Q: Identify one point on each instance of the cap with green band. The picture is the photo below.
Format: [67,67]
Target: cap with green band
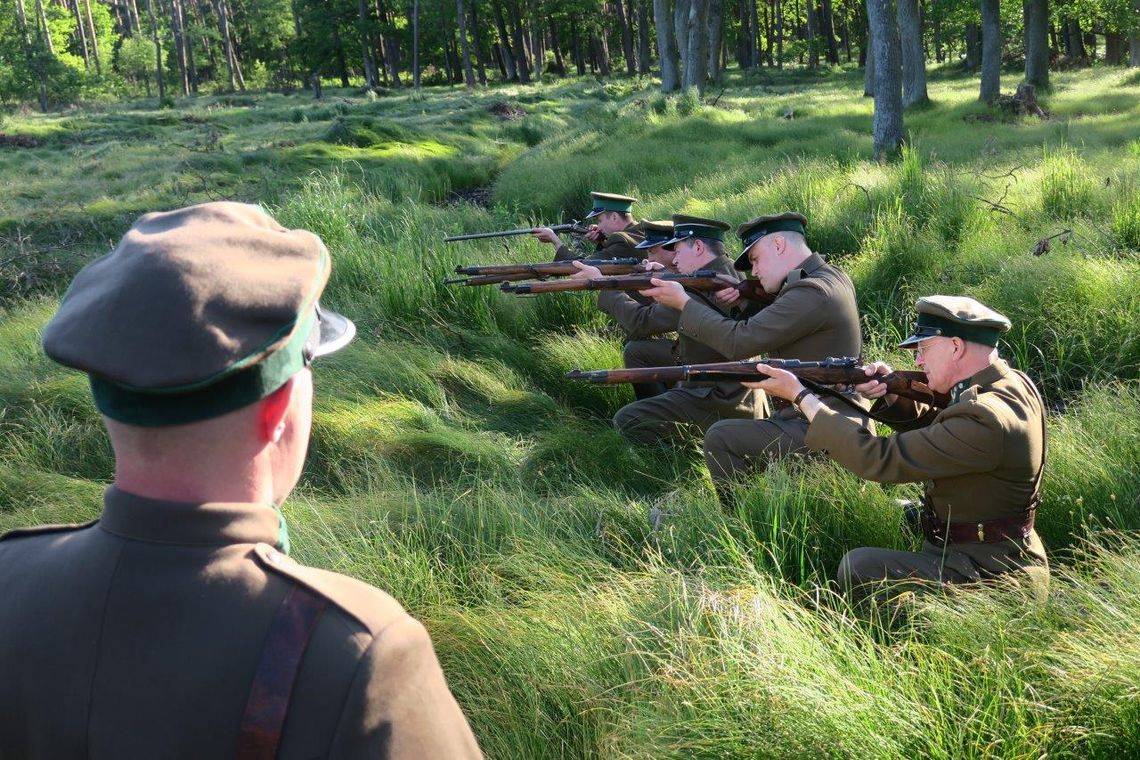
[956,317]
[761,226]
[602,202]
[197,312]
[687,227]
[656,233]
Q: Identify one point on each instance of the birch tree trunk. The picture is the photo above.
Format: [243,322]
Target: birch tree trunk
[887,130]
[991,52]
[81,35]
[94,38]
[666,45]
[913,61]
[695,69]
[179,46]
[42,28]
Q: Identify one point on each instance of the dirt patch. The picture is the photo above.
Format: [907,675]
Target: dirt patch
[18,141]
[507,111]
[476,196]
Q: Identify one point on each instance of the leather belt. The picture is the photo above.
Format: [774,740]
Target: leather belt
[939,532]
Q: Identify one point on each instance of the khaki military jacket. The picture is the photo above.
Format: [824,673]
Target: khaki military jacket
[813,317]
[646,320]
[618,245]
[979,457]
[139,636]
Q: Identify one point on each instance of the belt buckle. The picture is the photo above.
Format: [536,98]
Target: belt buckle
[981,533]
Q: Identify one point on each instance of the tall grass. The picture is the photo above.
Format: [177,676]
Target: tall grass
[454,466]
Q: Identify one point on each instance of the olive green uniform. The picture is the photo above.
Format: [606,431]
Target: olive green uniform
[139,636]
[980,459]
[813,317]
[617,245]
[695,404]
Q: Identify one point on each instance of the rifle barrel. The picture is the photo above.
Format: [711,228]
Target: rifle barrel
[574,228]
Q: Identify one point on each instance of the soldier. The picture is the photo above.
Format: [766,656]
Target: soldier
[615,233]
[697,243]
[981,459]
[175,625]
[813,317]
[651,352]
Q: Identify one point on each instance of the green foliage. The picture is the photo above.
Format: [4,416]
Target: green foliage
[454,466]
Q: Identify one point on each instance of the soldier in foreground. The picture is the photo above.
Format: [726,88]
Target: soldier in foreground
[176,625]
[615,232]
[981,458]
[651,351]
[697,244]
[813,317]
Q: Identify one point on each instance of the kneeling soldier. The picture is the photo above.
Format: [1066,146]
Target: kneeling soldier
[616,233]
[175,625]
[981,458]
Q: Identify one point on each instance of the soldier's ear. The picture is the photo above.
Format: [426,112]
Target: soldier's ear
[271,413]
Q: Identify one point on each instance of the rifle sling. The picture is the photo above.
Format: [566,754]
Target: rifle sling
[288,636]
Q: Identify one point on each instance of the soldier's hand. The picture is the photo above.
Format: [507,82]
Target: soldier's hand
[728,295]
[595,233]
[546,235]
[667,293]
[780,382]
[874,389]
[585,272]
[652,266]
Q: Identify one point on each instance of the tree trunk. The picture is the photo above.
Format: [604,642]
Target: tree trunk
[827,28]
[754,50]
[371,76]
[666,46]
[1036,15]
[468,71]
[991,52]
[1113,48]
[416,45]
[812,33]
[516,21]
[779,35]
[480,51]
[716,38]
[1134,40]
[681,29]
[695,68]
[576,42]
[1074,43]
[743,35]
[869,67]
[175,11]
[913,62]
[33,62]
[42,27]
[157,50]
[973,47]
[887,130]
[81,35]
[508,55]
[643,57]
[135,15]
[538,53]
[626,36]
[227,41]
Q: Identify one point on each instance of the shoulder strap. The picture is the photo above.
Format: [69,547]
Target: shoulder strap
[285,643]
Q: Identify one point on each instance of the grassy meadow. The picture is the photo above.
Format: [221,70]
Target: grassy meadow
[455,467]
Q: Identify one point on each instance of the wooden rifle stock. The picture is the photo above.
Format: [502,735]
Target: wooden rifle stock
[832,371]
[493,274]
[702,280]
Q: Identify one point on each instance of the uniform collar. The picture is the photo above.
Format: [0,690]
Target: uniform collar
[174,522]
[811,263]
[988,376]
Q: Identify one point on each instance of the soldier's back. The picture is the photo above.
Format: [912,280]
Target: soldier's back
[144,635]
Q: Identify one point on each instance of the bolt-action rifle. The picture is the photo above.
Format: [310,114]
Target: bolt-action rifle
[702,280]
[492,274]
[574,228]
[831,371]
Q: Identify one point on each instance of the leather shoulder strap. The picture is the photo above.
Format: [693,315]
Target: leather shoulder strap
[285,644]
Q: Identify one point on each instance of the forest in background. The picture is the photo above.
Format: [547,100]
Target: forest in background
[453,465]
[57,52]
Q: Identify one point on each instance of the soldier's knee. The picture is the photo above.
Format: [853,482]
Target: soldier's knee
[632,425]
[716,448]
[858,567]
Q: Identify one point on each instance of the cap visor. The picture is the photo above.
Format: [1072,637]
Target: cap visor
[913,341]
[742,264]
[336,332]
[668,244]
[593,213]
[648,244]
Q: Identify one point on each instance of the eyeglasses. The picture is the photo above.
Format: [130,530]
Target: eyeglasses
[921,348]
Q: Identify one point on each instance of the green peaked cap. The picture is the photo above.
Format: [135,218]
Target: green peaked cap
[956,317]
[602,202]
[687,227]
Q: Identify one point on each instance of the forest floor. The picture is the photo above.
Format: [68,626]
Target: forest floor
[453,465]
